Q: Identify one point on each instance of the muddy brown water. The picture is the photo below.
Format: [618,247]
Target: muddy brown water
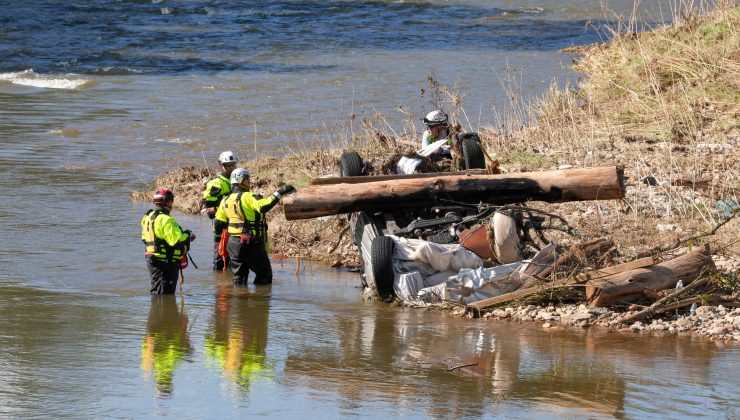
[86,121]
[308,347]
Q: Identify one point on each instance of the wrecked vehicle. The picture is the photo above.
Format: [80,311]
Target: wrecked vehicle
[486,233]
[439,224]
[466,148]
[449,221]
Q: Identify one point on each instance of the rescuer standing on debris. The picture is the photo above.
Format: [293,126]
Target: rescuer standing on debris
[166,244]
[216,190]
[243,215]
[437,128]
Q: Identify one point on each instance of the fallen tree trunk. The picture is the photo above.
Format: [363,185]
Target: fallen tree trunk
[332,180]
[615,288]
[602,183]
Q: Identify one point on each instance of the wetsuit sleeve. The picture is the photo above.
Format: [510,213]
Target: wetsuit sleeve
[261,205]
[221,221]
[212,192]
[221,213]
[173,234]
[143,226]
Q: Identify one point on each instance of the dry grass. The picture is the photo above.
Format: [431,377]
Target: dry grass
[665,104]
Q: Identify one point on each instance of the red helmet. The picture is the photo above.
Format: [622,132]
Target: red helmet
[163,196]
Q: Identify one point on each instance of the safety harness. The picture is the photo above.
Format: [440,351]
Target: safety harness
[247,227]
[154,244]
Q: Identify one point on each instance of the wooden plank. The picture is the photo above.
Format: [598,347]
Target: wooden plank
[603,272]
[517,294]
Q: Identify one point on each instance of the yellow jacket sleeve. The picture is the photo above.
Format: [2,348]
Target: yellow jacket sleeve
[221,213]
[262,205]
[171,232]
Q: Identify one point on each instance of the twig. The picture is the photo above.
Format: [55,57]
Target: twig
[656,307]
[339,239]
[660,249]
[461,366]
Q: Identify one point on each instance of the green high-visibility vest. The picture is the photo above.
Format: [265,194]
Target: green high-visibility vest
[163,237]
[216,189]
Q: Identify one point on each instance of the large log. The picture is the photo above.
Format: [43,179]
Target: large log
[618,287]
[374,178]
[601,183]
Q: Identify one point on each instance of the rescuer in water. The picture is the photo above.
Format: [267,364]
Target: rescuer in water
[217,189]
[242,215]
[166,244]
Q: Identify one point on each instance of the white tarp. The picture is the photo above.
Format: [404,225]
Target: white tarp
[429,150]
[427,272]
[408,165]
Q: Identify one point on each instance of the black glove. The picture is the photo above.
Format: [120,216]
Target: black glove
[211,212]
[219,226]
[286,189]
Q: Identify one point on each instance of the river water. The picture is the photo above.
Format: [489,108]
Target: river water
[98,97]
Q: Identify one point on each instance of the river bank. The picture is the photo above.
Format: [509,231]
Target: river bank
[663,104]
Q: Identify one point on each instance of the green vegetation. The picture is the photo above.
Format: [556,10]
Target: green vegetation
[523,159]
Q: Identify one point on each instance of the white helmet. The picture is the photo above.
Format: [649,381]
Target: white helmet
[227,157]
[238,175]
[436,117]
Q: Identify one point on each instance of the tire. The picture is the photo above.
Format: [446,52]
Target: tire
[361,219]
[472,153]
[358,221]
[381,254]
[350,164]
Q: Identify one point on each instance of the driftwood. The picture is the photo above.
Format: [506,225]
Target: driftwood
[615,269]
[725,300]
[660,305]
[601,183]
[627,285]
[522,293]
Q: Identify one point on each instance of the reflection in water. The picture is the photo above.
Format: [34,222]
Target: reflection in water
[237,341]
[167,342]
[63,356]
[454,368]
